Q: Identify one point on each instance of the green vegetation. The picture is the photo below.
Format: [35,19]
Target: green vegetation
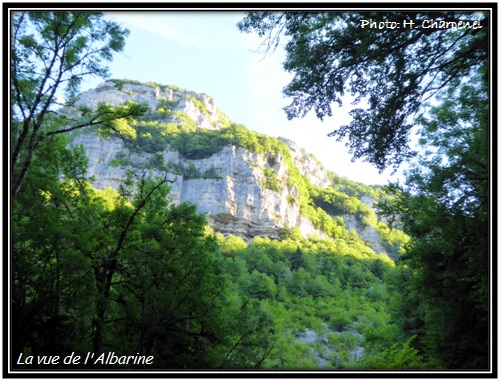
[270,180]
[448,222]
[199,105]
[211,173]
[245,304]
[114,163]
[223,118]
[125,271]
[71,46]
[433,82]
[166,106]
[103,257]
[120,82]
[337,203]
[318,285]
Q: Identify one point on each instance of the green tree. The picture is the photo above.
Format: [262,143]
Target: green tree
[51,53]
[107,251]
[297,259]
[402,357]
[443,207]
[331,53]
[261,286]
[93,271]
[250,334]
[84,226]
[167,295]
[51,285]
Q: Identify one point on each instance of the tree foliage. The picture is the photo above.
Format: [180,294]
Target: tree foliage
[96,270]
[51,53]
[393,71]
[444,207]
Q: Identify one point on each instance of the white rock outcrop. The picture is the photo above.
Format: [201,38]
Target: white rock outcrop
[109,93]
[235,203]
[307,166]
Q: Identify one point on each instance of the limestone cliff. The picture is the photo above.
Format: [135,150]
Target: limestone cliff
[235,203]
[229,185]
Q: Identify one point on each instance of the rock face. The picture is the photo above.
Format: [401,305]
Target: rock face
[235,201]
[307,166]
[366,232]
[153,95]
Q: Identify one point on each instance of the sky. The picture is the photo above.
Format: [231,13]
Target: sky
[204,51]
